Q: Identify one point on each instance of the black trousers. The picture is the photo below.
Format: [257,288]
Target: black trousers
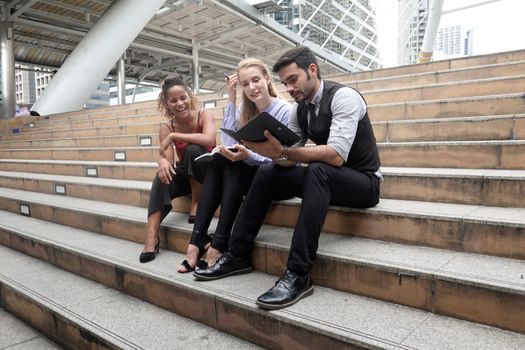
[319,185]
[226,183]
[162,194]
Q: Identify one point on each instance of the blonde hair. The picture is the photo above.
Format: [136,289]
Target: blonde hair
[168,83]
[249,109]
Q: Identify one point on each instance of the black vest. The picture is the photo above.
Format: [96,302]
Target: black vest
[363,156]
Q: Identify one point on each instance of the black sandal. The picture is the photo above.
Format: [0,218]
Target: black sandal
[201,263]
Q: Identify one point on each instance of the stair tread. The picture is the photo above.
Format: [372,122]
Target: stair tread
[353,318]
[449,211]
[490,271]
[127,322]
[14,334]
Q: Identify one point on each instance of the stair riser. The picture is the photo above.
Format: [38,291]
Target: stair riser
[425,292]
[142,173]
[440,65]
[436,78]
[473,191]
[486,107]
[244,322]
[472,130]
[482,156]
[496,87]
[109,141]
[146,154]
[63,331]
[453,234]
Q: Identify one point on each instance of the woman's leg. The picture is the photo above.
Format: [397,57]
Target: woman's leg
[208,203]
[196,189]
[236,182]
[159,205]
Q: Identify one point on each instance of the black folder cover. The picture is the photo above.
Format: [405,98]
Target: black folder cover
[253,131]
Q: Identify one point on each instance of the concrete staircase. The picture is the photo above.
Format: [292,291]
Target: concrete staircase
[438,264]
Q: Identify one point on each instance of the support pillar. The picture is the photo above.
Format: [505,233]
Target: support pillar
[434,16]
[7,70]
[195,67]
[95,55]
[121,80]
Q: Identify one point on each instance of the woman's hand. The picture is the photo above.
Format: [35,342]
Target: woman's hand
[165,170]
[239,155]
[233,82]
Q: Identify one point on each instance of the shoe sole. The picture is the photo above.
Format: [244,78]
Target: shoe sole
[303,295]
[232,273]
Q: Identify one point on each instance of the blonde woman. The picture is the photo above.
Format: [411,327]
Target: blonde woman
[228,178]
[192,133]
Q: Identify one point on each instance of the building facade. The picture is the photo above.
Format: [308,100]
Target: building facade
[344,27]
[413,17]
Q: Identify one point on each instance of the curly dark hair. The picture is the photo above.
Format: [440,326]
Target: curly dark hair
[301,55]
[168,83]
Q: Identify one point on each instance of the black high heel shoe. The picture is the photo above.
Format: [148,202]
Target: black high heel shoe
[148,256]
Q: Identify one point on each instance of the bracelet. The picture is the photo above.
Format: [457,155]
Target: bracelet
[284,153]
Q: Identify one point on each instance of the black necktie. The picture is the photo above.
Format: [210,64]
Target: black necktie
[313,116]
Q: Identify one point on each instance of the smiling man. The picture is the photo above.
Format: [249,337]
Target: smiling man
[342,168]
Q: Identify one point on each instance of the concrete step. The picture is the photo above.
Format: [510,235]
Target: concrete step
[37,134]
[451,64]
[444,154]
[454,154]
[462,186]
[498,127]
[450,107]
[125,140]
[435,77]
[142,171]
[14,334]
[135,154]
[467,228]
[82,314]
[423,278]
[466,88]
[504,188]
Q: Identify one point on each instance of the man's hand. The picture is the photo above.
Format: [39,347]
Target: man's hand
[241,154]
[271,148]
[165,170]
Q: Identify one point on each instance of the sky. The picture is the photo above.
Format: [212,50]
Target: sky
[498,26]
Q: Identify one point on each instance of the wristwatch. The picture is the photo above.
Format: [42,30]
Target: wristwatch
[284,154]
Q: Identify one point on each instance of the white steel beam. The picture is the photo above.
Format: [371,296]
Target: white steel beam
[79,77]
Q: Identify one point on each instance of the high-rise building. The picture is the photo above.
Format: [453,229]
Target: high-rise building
[453,41]
[413,17]
[344,27]
[31,81]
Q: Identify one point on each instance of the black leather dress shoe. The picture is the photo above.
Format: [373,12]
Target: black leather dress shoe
[288,290]
[227,265]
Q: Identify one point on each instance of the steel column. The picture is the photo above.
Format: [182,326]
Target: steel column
[7,70]
[121,80]
[434,16]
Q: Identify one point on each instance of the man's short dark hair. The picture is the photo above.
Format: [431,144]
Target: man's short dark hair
[301,55]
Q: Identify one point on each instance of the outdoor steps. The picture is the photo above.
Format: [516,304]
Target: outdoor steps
[469,106]
[434,77]
[423,278]
[461,227]
[14,334]
[442,65]
[465,88]
[503,127]
[81,314]
[462,186]
[502,154]
[142,171]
